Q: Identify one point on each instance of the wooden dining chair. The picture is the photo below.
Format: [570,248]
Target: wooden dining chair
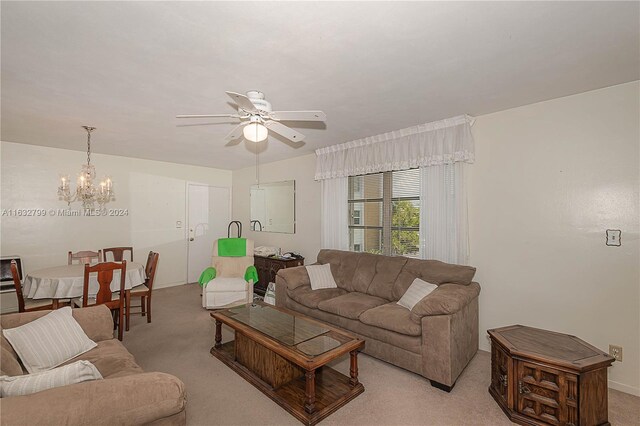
[85,257]
[143,291]
[29,305]
[118,253]
[113,300]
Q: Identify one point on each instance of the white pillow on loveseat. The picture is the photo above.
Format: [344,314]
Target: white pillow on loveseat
[79,371]
[418,290]
[49,341]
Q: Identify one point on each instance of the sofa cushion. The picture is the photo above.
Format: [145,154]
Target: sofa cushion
[48,341]
[392,317]
[9,363]
[417,291]
[343,266]
[364,273]
[321,277]
[350,305]
[310,298]
[111,359]
[409,343]
[432,271]
[447,299]
[76,372]
[387,269]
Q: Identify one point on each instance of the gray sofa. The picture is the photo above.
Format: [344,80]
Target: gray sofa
[436,339]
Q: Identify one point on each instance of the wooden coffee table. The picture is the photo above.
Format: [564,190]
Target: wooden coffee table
[284,354]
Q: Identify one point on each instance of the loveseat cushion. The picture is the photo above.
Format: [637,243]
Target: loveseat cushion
[111,359]
[310,298]
[351,305]
[392,317]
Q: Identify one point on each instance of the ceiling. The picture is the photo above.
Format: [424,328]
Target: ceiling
[128,68]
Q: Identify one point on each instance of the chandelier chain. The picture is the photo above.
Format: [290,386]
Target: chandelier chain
[88,146]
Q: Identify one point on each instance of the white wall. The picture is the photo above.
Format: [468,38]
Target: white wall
[306,239]
[152,191]
[549,178]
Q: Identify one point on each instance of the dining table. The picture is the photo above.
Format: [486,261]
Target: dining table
[67,282]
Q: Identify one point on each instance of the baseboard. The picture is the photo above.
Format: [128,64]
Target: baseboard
[624,388]
[167,285]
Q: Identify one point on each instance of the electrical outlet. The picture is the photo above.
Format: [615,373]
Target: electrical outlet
[616,352]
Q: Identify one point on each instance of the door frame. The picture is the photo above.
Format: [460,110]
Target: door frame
[186,216]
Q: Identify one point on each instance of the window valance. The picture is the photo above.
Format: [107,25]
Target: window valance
[440,142]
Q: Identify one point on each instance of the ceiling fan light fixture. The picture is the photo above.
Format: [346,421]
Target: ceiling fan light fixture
[255,132]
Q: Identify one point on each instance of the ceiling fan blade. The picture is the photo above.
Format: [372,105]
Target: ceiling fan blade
[236,132]
[208,115]
[242,101]
[285,131]
[298,115]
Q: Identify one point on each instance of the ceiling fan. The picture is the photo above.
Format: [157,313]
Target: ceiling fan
[257,118]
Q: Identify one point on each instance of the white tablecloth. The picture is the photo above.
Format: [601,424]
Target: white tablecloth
[65,282]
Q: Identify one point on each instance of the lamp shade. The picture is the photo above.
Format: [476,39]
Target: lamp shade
[255,132]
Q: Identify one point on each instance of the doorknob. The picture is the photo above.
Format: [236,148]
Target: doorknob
[191,234]
[191,239]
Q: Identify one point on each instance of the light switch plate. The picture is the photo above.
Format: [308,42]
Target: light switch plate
[613,237]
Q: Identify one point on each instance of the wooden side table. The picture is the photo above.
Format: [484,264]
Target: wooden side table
[540,377]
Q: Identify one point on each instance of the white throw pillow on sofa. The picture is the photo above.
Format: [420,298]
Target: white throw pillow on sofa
[417,291]
[321,276]
[49,341]
[79,371]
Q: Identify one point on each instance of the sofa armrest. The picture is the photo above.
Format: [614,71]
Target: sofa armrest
[294,277]
[134,399]
[447,299]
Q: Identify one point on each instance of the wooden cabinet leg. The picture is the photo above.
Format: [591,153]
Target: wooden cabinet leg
[218,344]
[354,368]
[310,392]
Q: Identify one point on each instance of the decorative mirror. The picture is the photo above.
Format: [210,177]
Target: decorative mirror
[273,207]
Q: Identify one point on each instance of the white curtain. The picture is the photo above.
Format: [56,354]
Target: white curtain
[443,214]
[431,144]
[335,214]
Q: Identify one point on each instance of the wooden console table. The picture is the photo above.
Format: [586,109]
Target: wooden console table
[540,377]
[268,268]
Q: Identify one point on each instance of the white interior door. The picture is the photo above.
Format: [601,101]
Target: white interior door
[208,215]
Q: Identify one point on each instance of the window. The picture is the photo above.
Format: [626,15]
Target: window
[356,217]
[384,213]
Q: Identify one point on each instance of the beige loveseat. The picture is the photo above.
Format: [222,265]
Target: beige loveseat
[126,395]
[436,339]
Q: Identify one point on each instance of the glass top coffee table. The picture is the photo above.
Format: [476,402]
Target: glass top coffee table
[284,354]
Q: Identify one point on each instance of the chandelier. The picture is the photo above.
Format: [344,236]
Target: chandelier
[86,191]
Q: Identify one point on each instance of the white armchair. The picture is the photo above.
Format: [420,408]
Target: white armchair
[230,287]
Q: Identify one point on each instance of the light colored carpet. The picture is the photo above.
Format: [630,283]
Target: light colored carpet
[180,337]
